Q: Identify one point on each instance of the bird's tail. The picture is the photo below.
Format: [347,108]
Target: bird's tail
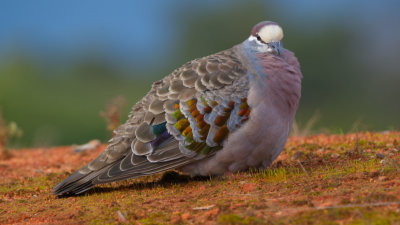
[78,182]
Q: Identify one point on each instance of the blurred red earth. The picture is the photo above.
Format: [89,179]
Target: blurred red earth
[338,178]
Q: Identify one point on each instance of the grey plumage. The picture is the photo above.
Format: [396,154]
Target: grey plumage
[225,112]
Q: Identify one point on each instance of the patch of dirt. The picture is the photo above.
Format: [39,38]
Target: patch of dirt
[336,178]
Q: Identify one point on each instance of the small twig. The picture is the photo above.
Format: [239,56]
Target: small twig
[308,175]
[207,207]
[374,204]
[356,146]
[121,216]
[112,113]
[299,131]
[302,167]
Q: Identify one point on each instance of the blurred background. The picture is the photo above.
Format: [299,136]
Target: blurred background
[63,62]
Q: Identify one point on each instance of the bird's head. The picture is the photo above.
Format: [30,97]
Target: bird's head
[266,36]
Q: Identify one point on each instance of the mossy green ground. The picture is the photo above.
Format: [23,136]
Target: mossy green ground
[321,179]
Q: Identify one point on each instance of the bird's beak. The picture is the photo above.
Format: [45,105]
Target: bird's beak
[274,47]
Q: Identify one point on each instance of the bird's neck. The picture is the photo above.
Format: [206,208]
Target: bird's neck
[277,78]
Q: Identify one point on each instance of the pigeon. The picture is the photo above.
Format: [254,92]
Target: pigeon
[219,114]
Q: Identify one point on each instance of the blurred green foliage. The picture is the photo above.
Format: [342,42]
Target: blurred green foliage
[62,108]
[60,104]
[9,131]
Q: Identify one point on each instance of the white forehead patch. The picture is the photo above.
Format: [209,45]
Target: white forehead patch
[271,33]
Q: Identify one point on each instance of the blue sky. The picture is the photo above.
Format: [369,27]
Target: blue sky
[133,27]
[141,34]
[69,25]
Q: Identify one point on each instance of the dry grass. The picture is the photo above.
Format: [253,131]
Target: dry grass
[333,181]
[300,131]
[8,132]
[112,113]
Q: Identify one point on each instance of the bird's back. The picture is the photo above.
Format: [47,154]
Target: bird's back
[225,112]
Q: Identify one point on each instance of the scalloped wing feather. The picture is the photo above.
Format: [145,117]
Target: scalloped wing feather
[185,117]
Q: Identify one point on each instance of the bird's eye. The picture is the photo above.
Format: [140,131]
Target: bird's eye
[259,39]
